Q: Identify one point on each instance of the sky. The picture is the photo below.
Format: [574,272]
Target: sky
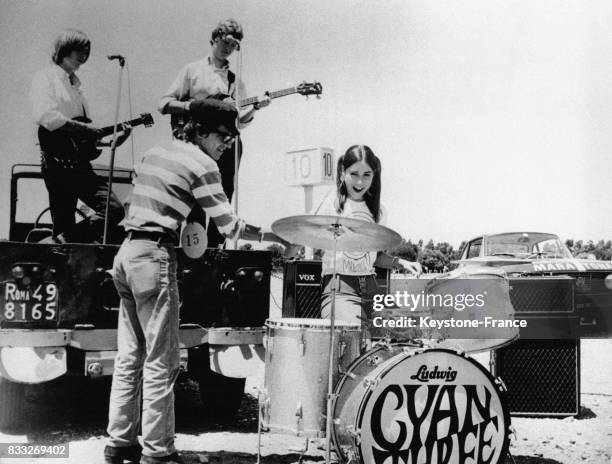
[488,115]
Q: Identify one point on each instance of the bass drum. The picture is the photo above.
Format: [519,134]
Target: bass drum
[432,406]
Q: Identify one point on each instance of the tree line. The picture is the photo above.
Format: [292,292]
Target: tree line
[437,257]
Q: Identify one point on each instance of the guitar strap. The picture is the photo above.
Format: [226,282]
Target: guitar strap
[231,78]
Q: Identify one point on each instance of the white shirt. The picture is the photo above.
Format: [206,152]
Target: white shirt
[350,263]
[199,80]
[55,99]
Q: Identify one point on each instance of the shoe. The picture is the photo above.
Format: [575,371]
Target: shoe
[119,454]
[59,239]
[112,460]
[173,458]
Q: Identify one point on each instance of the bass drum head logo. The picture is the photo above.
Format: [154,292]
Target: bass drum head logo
[435,407]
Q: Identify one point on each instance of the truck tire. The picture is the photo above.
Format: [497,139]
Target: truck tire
[11,402]
[221,396]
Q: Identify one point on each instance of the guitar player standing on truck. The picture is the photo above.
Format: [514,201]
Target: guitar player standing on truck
[57,100]
[211,77]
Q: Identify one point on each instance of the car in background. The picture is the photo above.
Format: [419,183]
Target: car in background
[531,254]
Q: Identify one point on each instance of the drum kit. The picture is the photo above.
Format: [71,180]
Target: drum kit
[396,403]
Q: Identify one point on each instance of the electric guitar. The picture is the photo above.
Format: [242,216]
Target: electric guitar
[177,121]
[74,148]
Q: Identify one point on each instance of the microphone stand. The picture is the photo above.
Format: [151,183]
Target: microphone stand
[113,148]
[237,142]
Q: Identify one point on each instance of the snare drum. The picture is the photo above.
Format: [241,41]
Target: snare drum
[432,406]
[296,378]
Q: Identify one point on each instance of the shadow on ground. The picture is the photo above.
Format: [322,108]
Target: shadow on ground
[585,413]
[242,458]
[530,460]
[75,408]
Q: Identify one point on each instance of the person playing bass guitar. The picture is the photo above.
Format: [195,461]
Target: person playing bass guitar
[206,78]
[68,141]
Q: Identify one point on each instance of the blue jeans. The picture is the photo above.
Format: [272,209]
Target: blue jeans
[147,362]
[354,297]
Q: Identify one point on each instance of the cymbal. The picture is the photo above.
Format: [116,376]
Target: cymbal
[349,234]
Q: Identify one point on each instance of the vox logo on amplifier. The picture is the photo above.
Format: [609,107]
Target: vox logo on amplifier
[309,278]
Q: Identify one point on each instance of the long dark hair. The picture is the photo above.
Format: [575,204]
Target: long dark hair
[353,155]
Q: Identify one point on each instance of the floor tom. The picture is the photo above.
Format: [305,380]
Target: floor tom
[296,377]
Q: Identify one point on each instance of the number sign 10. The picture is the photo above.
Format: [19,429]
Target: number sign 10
[313,166]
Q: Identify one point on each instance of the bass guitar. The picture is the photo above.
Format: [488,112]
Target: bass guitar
[177,121]
[305,88]
[71,147]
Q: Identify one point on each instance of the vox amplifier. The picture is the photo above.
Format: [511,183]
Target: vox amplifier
[302,288]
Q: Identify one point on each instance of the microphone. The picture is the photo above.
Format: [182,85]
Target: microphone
[116,57]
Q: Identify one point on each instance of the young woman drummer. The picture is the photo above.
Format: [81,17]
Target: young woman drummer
[358,183]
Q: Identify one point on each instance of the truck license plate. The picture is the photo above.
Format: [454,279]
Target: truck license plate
[29,303]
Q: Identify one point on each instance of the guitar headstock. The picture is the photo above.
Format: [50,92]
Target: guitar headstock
[310,88]
[147,119]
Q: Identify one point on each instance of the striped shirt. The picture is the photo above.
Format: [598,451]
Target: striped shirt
[170,182]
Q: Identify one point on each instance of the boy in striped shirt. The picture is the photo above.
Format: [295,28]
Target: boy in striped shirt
[170,182]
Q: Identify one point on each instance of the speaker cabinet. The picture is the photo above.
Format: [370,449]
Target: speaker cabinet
[542,295]
[542,376]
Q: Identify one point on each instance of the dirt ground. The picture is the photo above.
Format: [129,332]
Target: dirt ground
[73,411]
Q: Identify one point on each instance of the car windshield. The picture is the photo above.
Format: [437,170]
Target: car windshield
[523,245]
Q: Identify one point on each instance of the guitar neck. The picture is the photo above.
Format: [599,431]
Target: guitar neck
[272,95]
[108,130]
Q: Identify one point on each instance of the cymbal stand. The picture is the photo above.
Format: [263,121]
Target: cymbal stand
[332,329]
[260,412]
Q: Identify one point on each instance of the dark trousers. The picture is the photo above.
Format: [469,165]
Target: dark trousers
[66,185]
[354,297]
